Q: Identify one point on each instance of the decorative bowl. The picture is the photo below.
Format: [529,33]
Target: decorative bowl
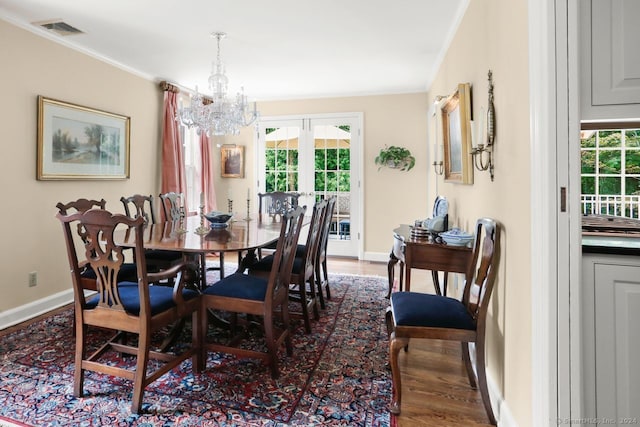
[218,219]
[456,237]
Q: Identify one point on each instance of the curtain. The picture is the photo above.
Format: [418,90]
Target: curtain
[206,177]
[173,174]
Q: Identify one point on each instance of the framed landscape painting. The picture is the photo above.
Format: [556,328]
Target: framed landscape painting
[456,131]
[76,142]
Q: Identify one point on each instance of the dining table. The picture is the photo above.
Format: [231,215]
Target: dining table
[193,236]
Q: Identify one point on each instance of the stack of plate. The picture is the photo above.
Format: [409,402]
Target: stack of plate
[419,233]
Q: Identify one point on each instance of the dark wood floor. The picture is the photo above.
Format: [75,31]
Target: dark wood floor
[435,388]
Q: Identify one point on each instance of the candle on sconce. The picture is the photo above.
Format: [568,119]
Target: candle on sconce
[441,154]
[474,130]
[248,193]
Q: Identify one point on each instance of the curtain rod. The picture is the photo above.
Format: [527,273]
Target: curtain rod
[172,87]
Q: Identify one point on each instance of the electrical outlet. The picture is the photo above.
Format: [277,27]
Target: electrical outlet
[33,279]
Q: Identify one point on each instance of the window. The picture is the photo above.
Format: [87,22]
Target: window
[610,169]
[192,163]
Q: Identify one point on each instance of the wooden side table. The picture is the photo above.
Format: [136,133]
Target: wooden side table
[425,255]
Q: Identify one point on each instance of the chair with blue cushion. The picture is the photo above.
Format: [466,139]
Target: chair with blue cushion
[321,270]
[303,284]
[418,315]
[143,206]
[134,307]
[257,296]
[127,271]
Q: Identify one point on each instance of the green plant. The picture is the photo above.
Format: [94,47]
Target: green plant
[395,158]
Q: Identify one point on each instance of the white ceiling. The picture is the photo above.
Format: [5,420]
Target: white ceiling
[276,49]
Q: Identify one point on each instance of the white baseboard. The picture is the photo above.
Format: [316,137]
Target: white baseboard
[35,308]
[500,408]
[376,256]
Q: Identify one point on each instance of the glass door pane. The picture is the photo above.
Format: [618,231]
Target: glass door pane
[315,157]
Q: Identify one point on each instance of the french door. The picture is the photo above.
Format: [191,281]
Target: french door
[318,156]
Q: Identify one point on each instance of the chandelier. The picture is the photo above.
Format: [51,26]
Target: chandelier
[215,114]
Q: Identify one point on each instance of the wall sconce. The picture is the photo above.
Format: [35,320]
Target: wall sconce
[483,154]
[438,164]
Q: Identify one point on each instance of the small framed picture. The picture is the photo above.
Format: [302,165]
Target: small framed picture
[76,142]
[456,113]
[232,161]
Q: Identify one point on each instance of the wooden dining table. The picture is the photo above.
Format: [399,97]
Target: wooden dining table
[241,236]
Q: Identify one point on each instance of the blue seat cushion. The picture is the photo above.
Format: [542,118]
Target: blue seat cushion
[162,255]
[238,285]
[128,273]
[429,310]
[160,298]
[266,263]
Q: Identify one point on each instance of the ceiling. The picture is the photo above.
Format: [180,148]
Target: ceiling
[277,49]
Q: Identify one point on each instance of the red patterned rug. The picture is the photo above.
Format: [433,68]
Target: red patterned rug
[336,375]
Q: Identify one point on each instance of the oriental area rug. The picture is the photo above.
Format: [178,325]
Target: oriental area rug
[335,377]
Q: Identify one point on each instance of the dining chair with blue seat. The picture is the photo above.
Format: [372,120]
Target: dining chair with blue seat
[303,284]
[139,205]
[128,271]
[429,316]
[241,293]
[126,306]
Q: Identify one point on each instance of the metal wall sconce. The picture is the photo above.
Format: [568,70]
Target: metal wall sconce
[438,167]
[483,153]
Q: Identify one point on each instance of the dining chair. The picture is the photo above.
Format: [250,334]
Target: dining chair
[139,205]
[128,271]
[276,203]
[172,205]
[242,293]
[420,315]
[126,306]
[302,286]
[320,264]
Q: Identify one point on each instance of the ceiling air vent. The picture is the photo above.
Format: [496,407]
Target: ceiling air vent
[59,27]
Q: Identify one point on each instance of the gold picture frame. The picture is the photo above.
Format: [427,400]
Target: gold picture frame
[456,134]
[232,161]
[81,143]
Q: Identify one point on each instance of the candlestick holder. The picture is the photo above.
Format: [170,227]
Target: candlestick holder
[230,205]
[202,230]
[248,218]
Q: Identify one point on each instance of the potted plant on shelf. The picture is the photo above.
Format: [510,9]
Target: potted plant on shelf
[395,158]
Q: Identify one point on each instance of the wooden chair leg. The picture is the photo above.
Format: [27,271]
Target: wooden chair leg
[272,345]
[482,381]
[302,289]
[467,363]
[318,279]
[395,344]
[196,341]
[78,375]
[314,298]
[326,279]
[141,372]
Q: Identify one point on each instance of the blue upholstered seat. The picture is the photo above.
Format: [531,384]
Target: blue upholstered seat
[266,263]
[418,309]
[241,286]
[160,298]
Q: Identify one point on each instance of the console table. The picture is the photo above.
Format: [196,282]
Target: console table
[425,255]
